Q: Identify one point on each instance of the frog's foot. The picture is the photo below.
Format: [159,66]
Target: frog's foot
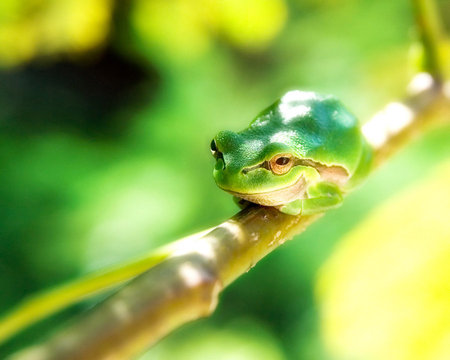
[241,202]
[321,197]
[292,208]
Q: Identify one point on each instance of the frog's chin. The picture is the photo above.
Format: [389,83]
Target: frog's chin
[276,197]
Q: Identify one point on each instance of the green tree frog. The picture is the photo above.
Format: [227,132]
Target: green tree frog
[300,155]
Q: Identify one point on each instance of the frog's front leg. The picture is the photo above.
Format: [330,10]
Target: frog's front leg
[321,197]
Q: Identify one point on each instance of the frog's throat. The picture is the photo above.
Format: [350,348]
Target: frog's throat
[276,197]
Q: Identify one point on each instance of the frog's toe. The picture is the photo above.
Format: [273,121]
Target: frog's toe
[241,202]
[292,208]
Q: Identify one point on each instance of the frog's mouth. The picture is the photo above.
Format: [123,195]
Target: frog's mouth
[276,197]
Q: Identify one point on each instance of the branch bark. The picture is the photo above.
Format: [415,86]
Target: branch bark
[186,285]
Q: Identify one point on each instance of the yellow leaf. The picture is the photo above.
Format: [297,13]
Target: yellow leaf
[385,292]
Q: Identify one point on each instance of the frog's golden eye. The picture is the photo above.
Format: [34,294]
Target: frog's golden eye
[280,164]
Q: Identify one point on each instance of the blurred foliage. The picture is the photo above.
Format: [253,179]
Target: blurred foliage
[181,30]
[238,340]
[107,112]
[385,292]
[31,28]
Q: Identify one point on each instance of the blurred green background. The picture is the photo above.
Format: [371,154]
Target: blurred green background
[107,109]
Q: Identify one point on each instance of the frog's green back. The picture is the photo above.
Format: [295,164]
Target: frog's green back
[314,126]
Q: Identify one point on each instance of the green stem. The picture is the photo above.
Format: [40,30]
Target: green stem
[49,302]
[429,29]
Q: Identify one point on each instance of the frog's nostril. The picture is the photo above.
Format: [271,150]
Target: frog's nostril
[215,151]
[213,146]
[218,155]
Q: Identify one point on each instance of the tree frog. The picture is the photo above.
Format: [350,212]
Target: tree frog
[300,155]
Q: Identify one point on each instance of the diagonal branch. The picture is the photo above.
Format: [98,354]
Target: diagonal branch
[186,285]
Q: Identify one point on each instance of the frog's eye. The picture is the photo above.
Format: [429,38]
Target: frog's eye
[280,164]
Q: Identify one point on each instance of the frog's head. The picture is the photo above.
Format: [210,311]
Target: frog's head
[267,175]
[277,157]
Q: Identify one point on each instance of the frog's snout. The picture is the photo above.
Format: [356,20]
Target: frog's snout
[224,143]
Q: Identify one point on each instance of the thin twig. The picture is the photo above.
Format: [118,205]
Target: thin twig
[429,31]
